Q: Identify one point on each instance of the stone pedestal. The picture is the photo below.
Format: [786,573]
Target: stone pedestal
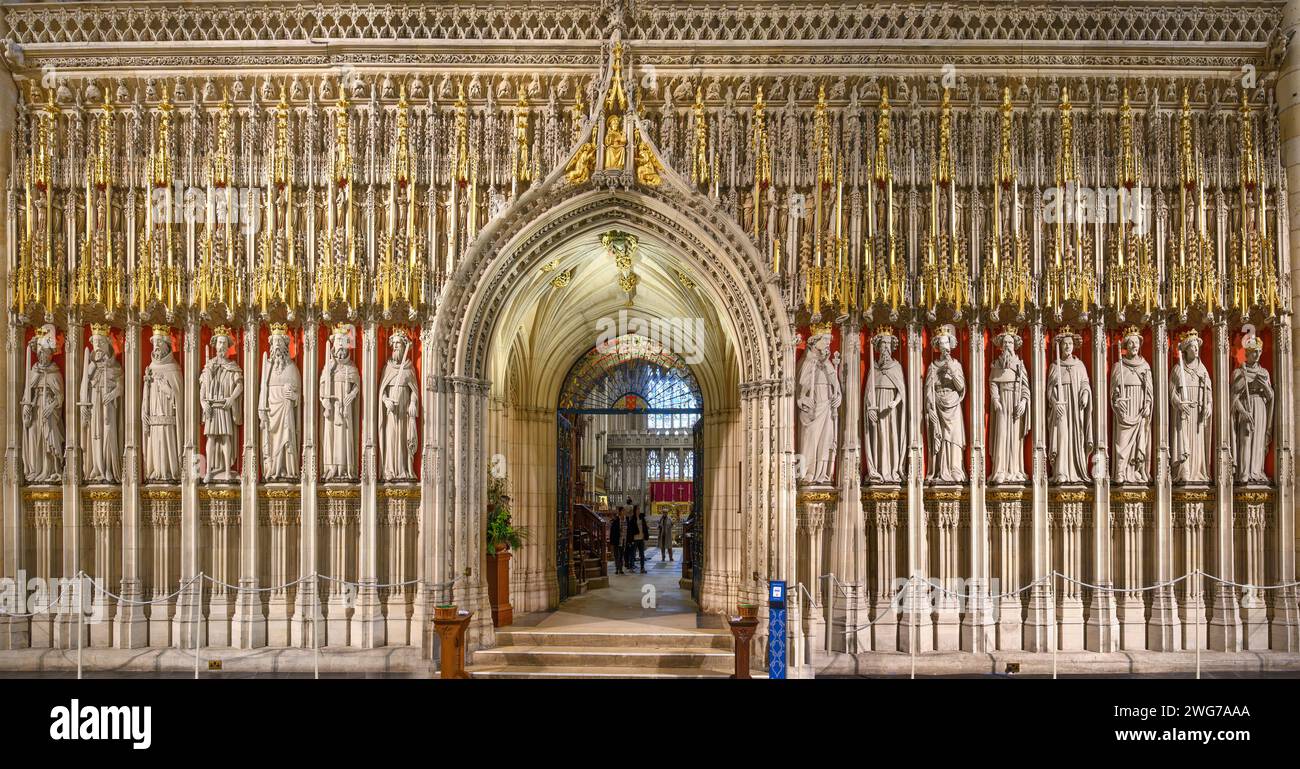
[815,502]
[882,508]
[1191,522]
[1131,512]
[944,509]
[1067,513]
[1006,507]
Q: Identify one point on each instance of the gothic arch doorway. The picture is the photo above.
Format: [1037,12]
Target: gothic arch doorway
[530,299]
[646,409]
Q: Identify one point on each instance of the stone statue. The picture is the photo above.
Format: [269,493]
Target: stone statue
[885,413]
[340,385]
[1009,401]
[945,389]
[1192,402]
[1131,400]
[162,403]
[221,393]
[819,406]
[399,409]
[1069,413]
[100,400]
[42,403]
[1252,413]
[277,409]
[615,144]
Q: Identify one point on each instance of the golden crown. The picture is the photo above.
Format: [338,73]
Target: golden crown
[44,336]
[223,331]
[161,331]
[1132,331]
[884,331]
[1188,335]
[399,333]
[1069,331]
[1011,331]
[947,330]
[100,329]
[279,329]
[820,329]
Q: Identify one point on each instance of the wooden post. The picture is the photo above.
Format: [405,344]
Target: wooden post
[742,630]
[450,626]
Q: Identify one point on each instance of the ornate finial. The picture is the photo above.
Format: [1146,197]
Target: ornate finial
[946,164]
[1065,169]
[1006,172]
[1249,168]
[882,173]
[1130,168]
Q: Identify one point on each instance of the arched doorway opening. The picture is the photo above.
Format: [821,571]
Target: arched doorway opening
[630,435]
[535,295]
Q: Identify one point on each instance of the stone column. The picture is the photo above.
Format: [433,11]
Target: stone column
[66,623]
[1252,517]
[308,613]
[189,631]
[368,626]
[1101,633]
[470,503]
[14,631]
[977,629]
[1285,628]
[248,628]
[130,626]
[1225,618]
[914,628]
[1039,633]
[848,541]
[1008,507]
[1164,628]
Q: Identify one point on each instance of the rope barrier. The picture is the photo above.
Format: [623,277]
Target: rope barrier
[97,588]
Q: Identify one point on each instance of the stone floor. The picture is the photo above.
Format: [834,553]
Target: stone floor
[633,603]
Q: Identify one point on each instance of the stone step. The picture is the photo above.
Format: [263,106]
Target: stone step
[551,672]
[671,659]
[526,637]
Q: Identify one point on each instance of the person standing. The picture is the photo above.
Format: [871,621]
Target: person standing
[616,539]
[639,530]
[666,536]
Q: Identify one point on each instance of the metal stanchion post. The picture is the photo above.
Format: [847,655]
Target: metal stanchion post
[199,612]
[911,619]
[1200,615]
[1055,640]
[315,624]
[80,620]
[830,611]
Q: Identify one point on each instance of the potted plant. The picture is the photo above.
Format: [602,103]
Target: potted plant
[502,537]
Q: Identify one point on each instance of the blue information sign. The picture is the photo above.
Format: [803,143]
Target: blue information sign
[776,635]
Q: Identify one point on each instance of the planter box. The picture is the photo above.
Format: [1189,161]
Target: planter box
[498,585]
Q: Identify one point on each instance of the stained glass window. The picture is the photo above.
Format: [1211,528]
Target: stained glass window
[670,467]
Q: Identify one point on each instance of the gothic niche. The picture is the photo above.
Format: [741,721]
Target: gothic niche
[42,410]
[399,410]
[221,408]
[819,399]
[278,409]
[100,401]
